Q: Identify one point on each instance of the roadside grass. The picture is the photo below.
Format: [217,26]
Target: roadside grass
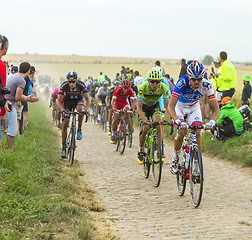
[41,197]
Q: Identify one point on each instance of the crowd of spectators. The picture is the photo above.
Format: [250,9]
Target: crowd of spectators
[16,87]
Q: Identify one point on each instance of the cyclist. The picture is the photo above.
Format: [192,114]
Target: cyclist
[53,99]
[120,101]
[93,91]
[185,101]
[108,102]
[148,106]
[73,91]
[100,98]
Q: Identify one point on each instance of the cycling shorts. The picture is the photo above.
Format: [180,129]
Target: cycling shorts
[121,105]
[194,116]
[71,105]
[102,99]
[151,111]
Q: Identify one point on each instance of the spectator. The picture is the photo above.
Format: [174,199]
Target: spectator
[228,77]
[138,79]
[216,74]
[123,71]
[108,80]
[4,45]
[171,85]
[230,121]
[16,84]
[14,69]
[116,78]
[183,70]
[101,78]
[157,63]
[246,92]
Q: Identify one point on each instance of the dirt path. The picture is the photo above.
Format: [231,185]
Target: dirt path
[138,210]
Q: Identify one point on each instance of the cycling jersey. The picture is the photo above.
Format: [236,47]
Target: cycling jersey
[149,97]
[73,93]
[122,97]
[92,92]
[102,92]
[189,96]
[54,96]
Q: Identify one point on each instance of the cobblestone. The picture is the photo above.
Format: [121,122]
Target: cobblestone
[145,212]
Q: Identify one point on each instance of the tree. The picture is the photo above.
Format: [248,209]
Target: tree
[207,60]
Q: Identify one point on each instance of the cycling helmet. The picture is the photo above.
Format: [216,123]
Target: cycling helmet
[72,75]
[154,75]
[126,83]
[117,83]
[196,70]
[56,89]
[96,84]
[129,76]
[157,68]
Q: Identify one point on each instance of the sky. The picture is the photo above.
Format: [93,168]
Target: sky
[170,29]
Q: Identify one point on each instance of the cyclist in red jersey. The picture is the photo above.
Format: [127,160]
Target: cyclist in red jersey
[120,101]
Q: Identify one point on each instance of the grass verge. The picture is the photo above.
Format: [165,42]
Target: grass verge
[41,197]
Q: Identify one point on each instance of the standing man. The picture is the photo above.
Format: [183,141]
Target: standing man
[16,85]
[158,64]
[138,79]
[101,78]
[246,92]
[183,68]
[4,45]
[228,77]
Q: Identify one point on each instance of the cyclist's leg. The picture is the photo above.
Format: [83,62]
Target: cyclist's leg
[80,109]
[65,124]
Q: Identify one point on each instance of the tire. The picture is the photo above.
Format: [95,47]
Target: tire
[122,136]
[146,164]
[71,147]
[156,161]
[196,182]
[181,181]
[130,134]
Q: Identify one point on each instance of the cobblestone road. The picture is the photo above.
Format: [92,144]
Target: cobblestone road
[136,209]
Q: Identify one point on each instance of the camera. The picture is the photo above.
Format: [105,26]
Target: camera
[4,91]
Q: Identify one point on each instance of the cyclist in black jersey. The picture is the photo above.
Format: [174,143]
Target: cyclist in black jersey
[73,91]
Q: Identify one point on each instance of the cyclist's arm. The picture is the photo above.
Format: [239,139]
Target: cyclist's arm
[215,108]
[107,101]
[113,102]
[132,103]
[86,96]
[58,102]
[166,117]
[171,107]
[140,111]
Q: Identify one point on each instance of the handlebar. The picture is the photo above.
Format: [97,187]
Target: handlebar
[154,124]
[75,112]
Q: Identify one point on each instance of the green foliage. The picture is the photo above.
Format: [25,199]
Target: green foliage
[35,192]
[207,60]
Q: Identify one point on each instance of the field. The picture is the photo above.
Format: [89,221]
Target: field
[59,66]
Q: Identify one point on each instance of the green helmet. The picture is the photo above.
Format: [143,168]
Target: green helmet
[96,84]
[154,75]
[105,83]
[117,83]
[246,77]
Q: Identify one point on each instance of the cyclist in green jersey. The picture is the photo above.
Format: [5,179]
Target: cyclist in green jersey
[108,102]
[92,92]
[148,107]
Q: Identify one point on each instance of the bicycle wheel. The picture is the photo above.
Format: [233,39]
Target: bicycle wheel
[156,161]
[196,176]
[181,181]
[130,139]
[71,148]
[122,136]
[146,165]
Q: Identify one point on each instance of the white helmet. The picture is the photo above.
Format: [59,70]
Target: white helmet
[159,69]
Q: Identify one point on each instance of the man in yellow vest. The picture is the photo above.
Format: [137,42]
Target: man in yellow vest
[228,77]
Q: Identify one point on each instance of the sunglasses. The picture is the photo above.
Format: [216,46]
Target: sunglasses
[72,81]
[194,79]
[155,81]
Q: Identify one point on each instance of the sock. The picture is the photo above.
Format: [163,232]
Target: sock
[176,154]
[113,133]
[63,146]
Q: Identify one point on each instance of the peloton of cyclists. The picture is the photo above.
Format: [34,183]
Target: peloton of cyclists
[185,101]
[73,91]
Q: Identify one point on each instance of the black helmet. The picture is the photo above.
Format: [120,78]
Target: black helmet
[72,75]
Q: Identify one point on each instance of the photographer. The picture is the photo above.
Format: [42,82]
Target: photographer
[16,85]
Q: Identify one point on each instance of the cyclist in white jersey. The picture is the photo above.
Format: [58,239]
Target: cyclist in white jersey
[185,101]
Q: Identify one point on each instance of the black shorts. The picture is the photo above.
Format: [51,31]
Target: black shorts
[151,111]
[72,104]
[25,106]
